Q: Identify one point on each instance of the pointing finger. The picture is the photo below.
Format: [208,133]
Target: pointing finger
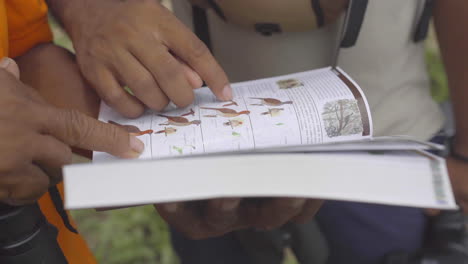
[81,131]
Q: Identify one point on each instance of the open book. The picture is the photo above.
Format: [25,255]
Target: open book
[301,135]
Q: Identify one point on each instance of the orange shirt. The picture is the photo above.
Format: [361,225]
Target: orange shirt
[23,25]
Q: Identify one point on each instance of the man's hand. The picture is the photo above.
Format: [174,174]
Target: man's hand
[36,137]
[451,26]
[141,44]
[458,171]
[205,219]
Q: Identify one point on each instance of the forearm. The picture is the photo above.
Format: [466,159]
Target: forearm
[53,72]
[451,23]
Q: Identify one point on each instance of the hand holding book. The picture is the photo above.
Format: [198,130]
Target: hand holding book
[202,219]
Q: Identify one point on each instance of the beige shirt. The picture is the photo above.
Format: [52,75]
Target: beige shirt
[389,67]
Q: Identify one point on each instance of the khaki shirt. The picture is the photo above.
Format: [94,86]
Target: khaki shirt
[389,67]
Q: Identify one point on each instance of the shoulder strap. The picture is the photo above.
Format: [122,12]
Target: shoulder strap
[422,27]
[354,19]
[200,25]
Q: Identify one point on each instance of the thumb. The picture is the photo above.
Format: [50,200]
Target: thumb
[79,130]
[10,66]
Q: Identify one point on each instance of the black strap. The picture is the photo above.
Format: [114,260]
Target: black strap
[58,203]
[318,13]
[355,18]
[424,21]
[200,25]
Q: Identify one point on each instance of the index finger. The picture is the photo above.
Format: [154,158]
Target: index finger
[79,130]
[188,47]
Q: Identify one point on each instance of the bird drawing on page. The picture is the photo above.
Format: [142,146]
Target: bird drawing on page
[234,123]
[225,112]
[133,130]
[231,104]
[191,112]
[180,120]
[274,112]
[270,102]
[167,131]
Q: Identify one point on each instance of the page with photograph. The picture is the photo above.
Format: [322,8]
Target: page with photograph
[314,107]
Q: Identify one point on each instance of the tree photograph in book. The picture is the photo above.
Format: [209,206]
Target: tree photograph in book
[342,118]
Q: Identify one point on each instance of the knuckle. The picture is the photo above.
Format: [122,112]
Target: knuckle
[159,106]
[114,133]
[98,46]
[124,27]
[198,49]
[186,100]
[76,128]
[114,96]
[11,163]
[144,81]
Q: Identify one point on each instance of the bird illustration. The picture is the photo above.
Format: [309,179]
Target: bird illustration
[231,104]
[167,131]
[133,130]
[178,121]
[270,101]
[192,113]
[234,123]
[227,112]
[274,112]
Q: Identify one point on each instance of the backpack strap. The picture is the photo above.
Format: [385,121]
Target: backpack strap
[200,25]
[422,27]
[353,22]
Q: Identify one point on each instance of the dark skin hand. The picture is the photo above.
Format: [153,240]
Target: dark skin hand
[199,220]
[35,138]
[59,81]
[451,24]
[141,44]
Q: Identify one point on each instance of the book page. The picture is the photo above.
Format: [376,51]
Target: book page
[395,178]
[314,107]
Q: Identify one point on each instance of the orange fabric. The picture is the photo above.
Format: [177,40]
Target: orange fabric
[3,30]
[27,25]
[73,245]
[23,24]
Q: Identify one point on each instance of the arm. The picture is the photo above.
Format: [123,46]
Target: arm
[35,138]
[141,44]
[53,72]
[451,23]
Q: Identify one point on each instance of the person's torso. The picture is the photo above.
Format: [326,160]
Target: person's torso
[385,62]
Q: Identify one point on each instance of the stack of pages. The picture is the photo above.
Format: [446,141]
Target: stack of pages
[301,135]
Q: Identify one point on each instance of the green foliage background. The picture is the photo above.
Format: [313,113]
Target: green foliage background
[138,235]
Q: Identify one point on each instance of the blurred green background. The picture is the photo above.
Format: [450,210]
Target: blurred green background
[139,236]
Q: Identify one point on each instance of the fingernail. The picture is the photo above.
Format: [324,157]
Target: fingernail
[5,62]
[170,207]
[137,145]
[229,204]
[227,93]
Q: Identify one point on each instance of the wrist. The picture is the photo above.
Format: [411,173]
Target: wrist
[72,14]
[458,148]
